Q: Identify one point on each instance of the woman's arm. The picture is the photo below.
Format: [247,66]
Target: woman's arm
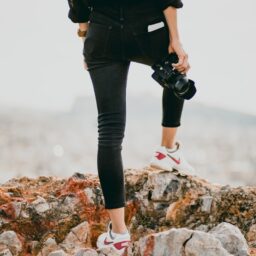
[166,3]
[79,11]
[170,13]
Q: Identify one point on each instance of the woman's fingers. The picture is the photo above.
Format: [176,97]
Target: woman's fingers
[185,70]
[180,62]
[182,65]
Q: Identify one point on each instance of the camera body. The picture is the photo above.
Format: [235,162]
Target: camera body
[168,77]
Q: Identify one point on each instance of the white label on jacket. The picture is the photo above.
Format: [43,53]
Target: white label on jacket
[155,26]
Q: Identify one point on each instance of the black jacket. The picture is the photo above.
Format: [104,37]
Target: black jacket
[79,10]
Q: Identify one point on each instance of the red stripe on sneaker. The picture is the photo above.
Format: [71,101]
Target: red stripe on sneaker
[177,161]
[121,245]
[160,155]
[106,242]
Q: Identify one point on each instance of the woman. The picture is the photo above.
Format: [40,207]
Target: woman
[116,33]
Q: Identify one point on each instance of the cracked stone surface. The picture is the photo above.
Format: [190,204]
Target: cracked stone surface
[167,213]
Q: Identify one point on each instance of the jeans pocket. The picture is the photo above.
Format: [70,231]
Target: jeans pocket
[159,37]
[154,43]
[96,40]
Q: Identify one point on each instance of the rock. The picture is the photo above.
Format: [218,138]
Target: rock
[108,252]
[11,241]
[202,228]
[81,231]
[164,186]
[69,203]
[49,246]
[17,209]
[166,243]
[77,237]
[202,243]
[251,235]
[68,214]
[6,252]
[206,203]
[34,244]
[231,238]
[90,194]
[252,251]
[40,205]
[183,241]
[86,252]
[57,253]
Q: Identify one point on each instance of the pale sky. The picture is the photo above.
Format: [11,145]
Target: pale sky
[41,56]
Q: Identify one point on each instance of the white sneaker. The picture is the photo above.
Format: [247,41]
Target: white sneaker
[171,161]
[119,242]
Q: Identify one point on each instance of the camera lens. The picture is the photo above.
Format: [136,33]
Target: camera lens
[181,86]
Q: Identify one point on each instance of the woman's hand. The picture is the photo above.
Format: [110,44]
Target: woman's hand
[182,66]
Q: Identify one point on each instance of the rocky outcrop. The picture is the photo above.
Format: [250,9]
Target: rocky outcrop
[224,239]
[168,213]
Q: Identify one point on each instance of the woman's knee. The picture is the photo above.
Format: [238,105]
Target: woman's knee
[111,127]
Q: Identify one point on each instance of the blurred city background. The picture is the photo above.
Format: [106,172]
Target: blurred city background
[48,117]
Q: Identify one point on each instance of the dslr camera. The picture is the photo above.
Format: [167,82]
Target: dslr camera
[167,76]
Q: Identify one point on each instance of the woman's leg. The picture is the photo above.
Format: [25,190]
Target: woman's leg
[109,82]
[168,136]
[172,108]
[153,46]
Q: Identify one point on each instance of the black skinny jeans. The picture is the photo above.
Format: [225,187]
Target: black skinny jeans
[116,36]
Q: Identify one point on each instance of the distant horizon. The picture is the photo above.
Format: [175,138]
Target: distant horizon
[69,108]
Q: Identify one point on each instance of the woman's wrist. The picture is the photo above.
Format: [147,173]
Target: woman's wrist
[83,26]
[175,41]
[174,37]
[81,33]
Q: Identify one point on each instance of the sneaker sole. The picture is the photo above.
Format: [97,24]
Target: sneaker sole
[173,170]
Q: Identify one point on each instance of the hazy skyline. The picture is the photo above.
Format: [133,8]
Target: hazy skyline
[41,56]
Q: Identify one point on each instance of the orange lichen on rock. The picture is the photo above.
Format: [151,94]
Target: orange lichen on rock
[176,210]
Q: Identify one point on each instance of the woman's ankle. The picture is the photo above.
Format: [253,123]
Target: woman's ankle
[119,230]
